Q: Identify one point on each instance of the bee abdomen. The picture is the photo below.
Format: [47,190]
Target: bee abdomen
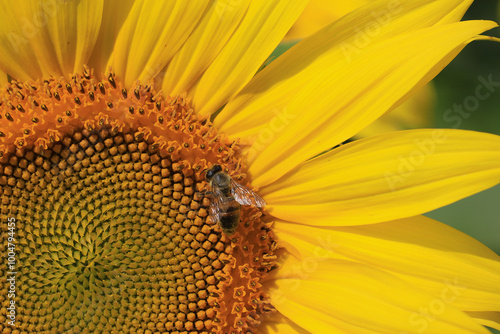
[229,219]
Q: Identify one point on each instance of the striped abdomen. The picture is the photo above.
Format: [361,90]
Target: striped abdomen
[229,215]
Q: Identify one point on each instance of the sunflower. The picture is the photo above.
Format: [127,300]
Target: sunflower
[114,112]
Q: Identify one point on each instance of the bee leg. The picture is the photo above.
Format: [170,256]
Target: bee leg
[201,194]
[215,228]
[204,193]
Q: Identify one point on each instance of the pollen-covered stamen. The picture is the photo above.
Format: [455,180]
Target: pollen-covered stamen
[105,185]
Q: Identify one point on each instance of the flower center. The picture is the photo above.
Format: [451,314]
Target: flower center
[111,232]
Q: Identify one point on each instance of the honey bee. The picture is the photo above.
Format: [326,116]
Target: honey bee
[227,198]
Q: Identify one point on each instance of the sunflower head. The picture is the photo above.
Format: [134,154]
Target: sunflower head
[105,184]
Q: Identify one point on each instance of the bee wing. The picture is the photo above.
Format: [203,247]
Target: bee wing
[246,196]
[215,203]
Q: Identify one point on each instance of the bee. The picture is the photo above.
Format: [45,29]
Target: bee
[227,198]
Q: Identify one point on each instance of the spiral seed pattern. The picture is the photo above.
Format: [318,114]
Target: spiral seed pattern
[113,235]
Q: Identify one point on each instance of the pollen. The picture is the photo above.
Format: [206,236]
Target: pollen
[112,232]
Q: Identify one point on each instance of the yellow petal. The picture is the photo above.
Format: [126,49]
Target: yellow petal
[114,15]
[17,57]
[43,38]
[280,325]
[391,176]
[74,32]
[260,31]
[432,256]
[414,113]
[319,13]
[204,44]
[151,35]
[329,87]
[348,297]
[364,94]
